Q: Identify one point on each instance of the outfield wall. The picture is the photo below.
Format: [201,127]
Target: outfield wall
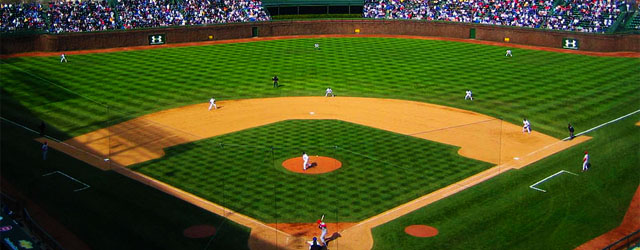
[10,44]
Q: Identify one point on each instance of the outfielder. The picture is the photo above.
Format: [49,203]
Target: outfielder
[329,92]
[316,46]
[469,95]
[509,53]
[322,227]
[212,103]
[305,158]
[63,58]
[585,161]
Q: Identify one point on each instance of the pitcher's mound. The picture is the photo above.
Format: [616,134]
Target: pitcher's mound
[319,165]
[421,231]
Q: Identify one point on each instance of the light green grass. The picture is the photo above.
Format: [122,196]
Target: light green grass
[550,89]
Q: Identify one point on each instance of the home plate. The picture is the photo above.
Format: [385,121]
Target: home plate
[312,113]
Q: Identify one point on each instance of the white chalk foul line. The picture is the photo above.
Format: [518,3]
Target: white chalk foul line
[604,124]
[533,186]
[74,179]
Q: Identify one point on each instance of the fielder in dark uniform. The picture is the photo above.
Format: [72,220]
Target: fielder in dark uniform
[570,131]
[275,81]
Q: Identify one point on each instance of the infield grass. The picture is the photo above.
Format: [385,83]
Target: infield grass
[380,170]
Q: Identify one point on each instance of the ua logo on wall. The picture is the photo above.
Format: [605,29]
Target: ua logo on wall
[157,39]
[569,43]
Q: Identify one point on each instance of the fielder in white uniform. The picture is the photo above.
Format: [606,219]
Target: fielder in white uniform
[329,92]
[526,126]
[585,161]
[322,227]
[305,158]
[316,46]
[63,58]
[509,53]
[212,103]
[469,95]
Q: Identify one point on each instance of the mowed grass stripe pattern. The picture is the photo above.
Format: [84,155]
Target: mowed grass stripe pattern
[504,213]
[380,170]
[550,89]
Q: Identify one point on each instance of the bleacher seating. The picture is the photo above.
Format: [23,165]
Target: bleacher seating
[572,15]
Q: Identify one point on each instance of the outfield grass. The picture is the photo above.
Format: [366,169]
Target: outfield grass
[380,170]
[504,213]
[550,89]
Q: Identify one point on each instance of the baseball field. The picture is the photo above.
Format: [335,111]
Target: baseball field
[134,127]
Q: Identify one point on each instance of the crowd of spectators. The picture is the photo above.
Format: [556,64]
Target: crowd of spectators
[86,15]
[223,11]
[28,16]
[573,15]
[77,16]
[148,13]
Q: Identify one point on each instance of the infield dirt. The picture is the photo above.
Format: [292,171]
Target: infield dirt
[146,137]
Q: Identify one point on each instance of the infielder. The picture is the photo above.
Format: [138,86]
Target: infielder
[329,92]
[585,161]
[305,158]
[509,53]
[469,95]
[322,227]
[526,126]
[212,103]
[63,58]
[275,81]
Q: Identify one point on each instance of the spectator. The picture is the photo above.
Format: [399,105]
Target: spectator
[572,15]
[80,16]
[27,16]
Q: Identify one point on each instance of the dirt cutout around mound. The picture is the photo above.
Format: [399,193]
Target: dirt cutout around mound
[479,137]
[309,230]
[199,231]
[245,40]
[319,165]
[422,231]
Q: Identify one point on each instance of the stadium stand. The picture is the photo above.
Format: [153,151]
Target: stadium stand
[80,16]
[634,24]
[571,15]
[28,16]
[212,11]
[148,13]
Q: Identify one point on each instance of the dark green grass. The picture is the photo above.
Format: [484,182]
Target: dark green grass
[381,170]
[550,89]
[116,212]
[504,213]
